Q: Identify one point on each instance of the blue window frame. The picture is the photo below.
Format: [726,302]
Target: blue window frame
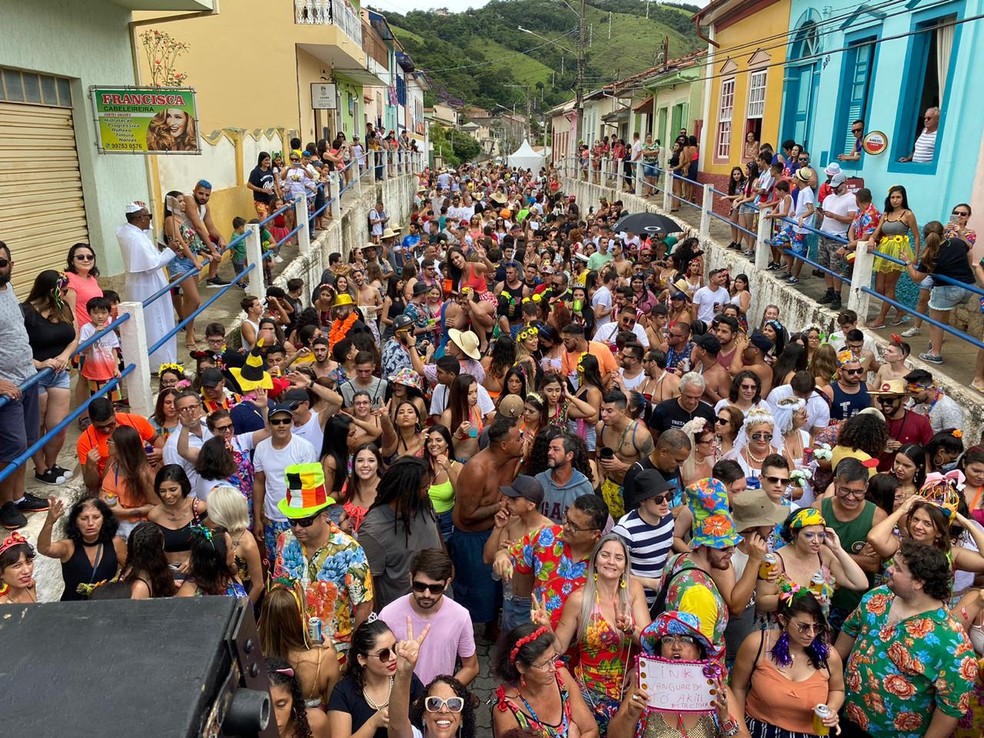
[854,95]
[920,86]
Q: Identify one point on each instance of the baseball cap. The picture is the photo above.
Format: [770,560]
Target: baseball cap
[678,296]
[211,377]
[280,407]
[837,180]
[761,342]
[294,397]
[526,487]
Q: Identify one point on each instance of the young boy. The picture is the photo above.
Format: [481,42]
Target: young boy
[101,362]
[239,249]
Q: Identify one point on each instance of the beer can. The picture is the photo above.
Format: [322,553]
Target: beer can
[770,562]
[314,630]
[685,366]
[821,713]
[817,583]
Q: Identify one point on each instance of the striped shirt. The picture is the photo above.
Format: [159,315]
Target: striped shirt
[649,545]
[925,147]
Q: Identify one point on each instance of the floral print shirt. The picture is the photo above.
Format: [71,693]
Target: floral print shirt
[899,673]
[544,554]
[865,222]
[335,580]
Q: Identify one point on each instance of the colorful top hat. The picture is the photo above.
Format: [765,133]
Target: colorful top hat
[252,375]
[713,525]
[306,493]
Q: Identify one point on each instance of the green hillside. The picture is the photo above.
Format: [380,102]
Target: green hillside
[481,57]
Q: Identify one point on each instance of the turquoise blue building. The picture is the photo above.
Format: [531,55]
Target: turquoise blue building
[886,62]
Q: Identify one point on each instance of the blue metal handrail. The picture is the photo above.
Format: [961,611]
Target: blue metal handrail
[198,311]
[816,265]
[288,236]
[945,327]
[19,461]
[732,224]
[283,209]
[936,277]
[171,285]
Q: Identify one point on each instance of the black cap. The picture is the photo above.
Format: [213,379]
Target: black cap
[526,487]
[280,407]
[211,377]
[294,397]
[420,288]
[762,342]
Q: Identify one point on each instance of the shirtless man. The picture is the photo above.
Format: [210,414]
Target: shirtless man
[475,507]
[366,296]
[630,441]
[659,384]
[322,364]
[717,380]
[753,360]
[621,265]
[518,516]
[893,366]
[200,216]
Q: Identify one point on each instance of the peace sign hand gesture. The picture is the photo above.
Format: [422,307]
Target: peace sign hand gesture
[408,651]
[538,613]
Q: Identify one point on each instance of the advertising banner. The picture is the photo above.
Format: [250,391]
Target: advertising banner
[155,120]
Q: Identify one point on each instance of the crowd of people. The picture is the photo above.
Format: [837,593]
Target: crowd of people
[509,420]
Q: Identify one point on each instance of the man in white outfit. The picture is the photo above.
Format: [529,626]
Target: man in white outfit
[144,265]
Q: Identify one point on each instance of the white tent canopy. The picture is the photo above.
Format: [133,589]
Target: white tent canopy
[526,158]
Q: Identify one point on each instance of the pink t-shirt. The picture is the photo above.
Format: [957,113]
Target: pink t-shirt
[450,636]
[85,290]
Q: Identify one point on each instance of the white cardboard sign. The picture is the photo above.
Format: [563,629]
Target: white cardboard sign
[677,686]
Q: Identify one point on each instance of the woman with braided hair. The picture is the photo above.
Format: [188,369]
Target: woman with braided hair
[781,674]
[538,691]
[212,566]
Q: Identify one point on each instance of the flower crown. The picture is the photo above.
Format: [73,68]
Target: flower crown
[535,635]
[756,416]
[14,539]
[172,367]
[529,332]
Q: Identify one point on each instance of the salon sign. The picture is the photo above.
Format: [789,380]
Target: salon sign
[146,120]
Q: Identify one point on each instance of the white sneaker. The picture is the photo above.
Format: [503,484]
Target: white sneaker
[278,259]
[910,332]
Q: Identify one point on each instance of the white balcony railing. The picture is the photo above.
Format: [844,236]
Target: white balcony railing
[330,13]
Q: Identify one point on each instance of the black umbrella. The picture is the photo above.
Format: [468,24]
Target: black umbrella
[647,223]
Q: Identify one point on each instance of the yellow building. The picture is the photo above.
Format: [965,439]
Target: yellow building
[254,62]
[744,80]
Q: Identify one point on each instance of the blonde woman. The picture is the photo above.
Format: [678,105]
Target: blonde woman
[227,508]
[603,620]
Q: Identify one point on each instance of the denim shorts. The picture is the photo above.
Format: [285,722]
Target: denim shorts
[947,297]
[927,283]
[56,380]
[650,170]
[179,265]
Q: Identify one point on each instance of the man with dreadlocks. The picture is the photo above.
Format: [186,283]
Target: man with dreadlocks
[400,523]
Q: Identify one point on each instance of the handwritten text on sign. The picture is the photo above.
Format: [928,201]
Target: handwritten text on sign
[676,685]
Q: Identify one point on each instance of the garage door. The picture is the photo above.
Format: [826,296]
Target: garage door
[42,211]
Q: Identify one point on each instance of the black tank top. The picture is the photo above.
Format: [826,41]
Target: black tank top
[176,541]
[78,571]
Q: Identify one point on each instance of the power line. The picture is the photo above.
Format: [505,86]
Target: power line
[496,61]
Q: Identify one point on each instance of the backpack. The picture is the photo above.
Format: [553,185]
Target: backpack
[659,604]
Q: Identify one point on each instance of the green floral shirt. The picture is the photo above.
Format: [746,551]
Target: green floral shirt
[899,673]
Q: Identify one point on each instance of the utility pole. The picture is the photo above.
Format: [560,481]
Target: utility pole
[609,25]
[647,9]
[579,89]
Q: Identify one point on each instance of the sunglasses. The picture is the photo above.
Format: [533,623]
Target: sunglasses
[722,421]
[384,654]
[436,704]
[761,436]
[302,522]
[432,588]
[959,214]
[776,480]
[281,421]
[660,499]
[852,371]
[809,628]
[85,257]
[4,263]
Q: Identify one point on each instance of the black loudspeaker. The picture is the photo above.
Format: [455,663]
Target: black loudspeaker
[165,668]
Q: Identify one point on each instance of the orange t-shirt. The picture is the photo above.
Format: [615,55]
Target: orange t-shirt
[606,360]
[91,438]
